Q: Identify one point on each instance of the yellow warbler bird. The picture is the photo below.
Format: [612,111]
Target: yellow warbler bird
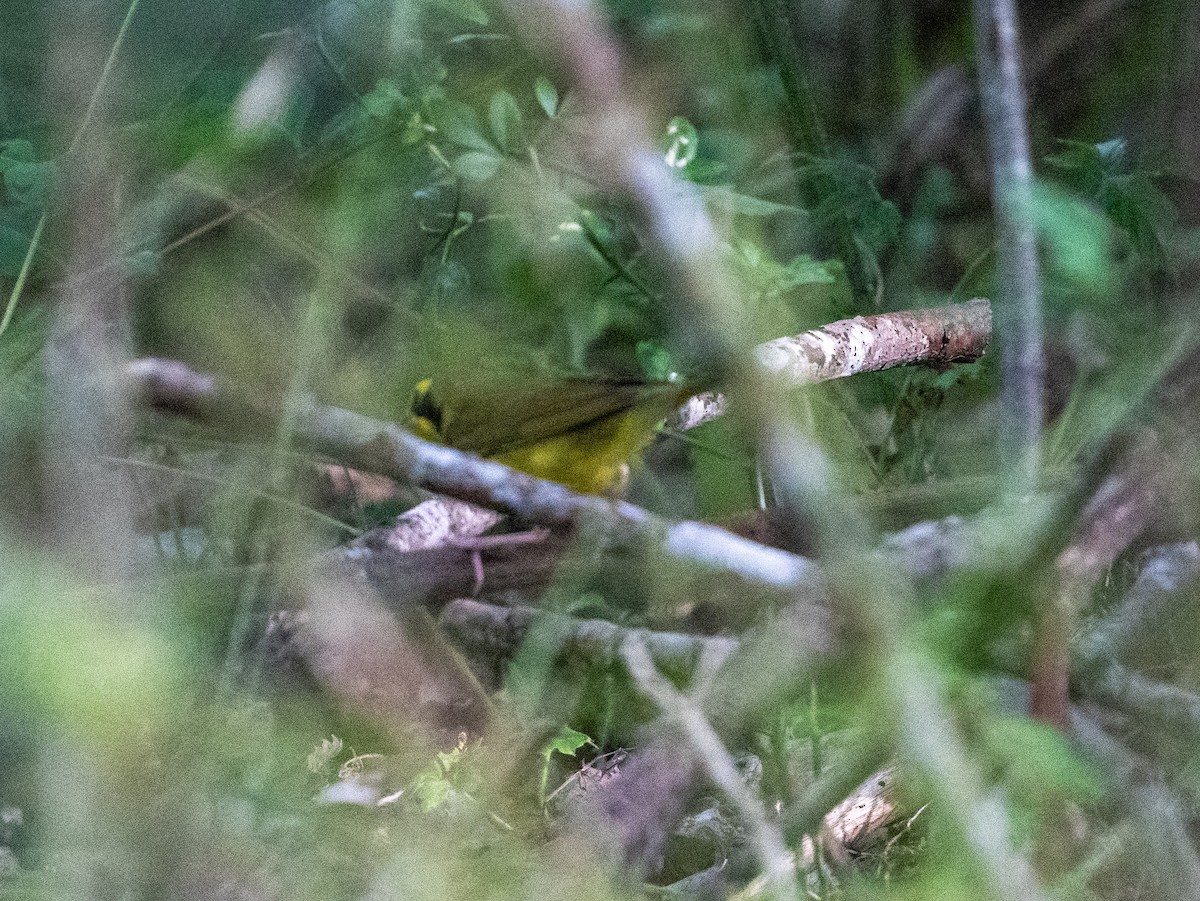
[581,432]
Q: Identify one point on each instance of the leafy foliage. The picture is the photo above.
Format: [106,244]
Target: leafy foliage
[1105,174]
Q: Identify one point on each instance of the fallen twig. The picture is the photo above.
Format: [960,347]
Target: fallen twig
[687,716]
[1117,514]
[489,630]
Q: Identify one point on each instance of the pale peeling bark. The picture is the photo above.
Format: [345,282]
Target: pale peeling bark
[869,343]
[955,333]
[434,523]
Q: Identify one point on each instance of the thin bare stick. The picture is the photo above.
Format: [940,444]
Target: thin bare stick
[1118,513]
[88,415]
[777,862]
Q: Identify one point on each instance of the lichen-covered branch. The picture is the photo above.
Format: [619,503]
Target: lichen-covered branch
[956,333]
[937,337]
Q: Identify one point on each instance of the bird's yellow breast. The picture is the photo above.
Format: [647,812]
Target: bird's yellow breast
[582,433]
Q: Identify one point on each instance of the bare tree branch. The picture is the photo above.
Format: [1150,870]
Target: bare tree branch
[936,337]
[956,333]
[89,417]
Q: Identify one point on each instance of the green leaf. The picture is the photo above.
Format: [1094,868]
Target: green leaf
[568,742]
[961,372]
[656,361]
[770,278]
[14,244]
[448,760]
[16,150]
[431,790]
[1040,760]
[477,37]
[384,100]
[414,130]
[28,183]
[725,199]
[476,166]
[547,95]
[706,172]
[804,270]
[26,179]
[504,116]
[724,469]
[817,289]
[1077,238]
[323,755]
[846,191]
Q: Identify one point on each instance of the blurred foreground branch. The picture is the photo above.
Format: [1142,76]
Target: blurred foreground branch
[1019,304]
[498,632]
[684,714]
